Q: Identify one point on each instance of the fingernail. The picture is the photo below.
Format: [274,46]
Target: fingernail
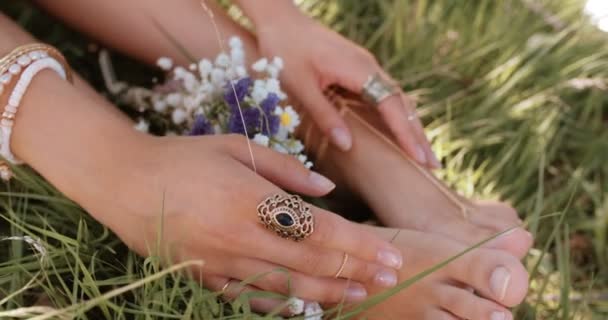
[390,258]
[435,162]
[419,154]
[321,182]
[341,138]
[386,278]
[498,316]
[499,282]
[355,292]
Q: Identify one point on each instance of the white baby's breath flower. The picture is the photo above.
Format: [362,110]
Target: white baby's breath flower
[174,99]
[258,94]
[308,164]
[279,148]
[241,72]
[142,126]
[238,57]
[261,139]
[273,85]
[159,105]
[191,103]
[278,62]
[272,71]
[295,306]
[204,68]
[218,77]
[260,65]
[178,116]
[295,146]
[222,60]
[313,311]
[164,63]
[302,158]
[192,67]
[235,42]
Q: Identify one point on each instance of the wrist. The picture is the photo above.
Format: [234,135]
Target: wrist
[75,142]
[267,15]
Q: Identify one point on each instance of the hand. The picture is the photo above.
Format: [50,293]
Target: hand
[202,194]
[317,57]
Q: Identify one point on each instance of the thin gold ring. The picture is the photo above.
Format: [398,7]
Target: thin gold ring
[344,261]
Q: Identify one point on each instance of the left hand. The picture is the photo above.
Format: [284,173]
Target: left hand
[316,57]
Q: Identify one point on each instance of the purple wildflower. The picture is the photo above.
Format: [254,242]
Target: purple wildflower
[270,126]
[241,89]
[252,121]
[201,126]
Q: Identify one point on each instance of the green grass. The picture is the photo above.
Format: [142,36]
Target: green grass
[494,79]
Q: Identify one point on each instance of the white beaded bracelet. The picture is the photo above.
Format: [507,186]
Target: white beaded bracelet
[8,116]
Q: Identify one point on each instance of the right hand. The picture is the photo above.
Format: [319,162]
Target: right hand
[202,194]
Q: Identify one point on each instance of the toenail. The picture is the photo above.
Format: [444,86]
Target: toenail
[386,278]
[355,292]
[497,315]
[499,282]
[390,258]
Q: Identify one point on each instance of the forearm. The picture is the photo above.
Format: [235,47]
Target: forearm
[132,26]
[264,13]
[67,133]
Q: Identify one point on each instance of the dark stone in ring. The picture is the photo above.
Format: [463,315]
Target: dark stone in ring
[287,215]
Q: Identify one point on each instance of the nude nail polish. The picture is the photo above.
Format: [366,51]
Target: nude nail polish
[355,292]
[385,278]
[497,315]
[321,182]
[390,259]
[419,154]
[341,139]
[499,282]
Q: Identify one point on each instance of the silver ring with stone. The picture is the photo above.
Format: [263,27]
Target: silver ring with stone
[287,215]
[376,89]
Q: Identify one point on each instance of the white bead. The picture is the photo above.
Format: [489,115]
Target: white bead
[17,94]
[5,78]
[43,54]
[24,60]
[14,69]
[34,55]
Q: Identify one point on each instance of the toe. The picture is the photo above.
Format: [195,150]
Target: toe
[437,314]
[466,305]
[494,274]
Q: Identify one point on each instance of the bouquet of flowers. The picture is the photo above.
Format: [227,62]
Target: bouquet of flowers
[219,97]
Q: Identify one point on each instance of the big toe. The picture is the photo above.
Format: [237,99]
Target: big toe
[493,274]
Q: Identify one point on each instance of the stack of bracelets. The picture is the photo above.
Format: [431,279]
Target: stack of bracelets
[17,69]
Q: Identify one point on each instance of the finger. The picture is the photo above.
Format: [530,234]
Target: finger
[283,170]
[467,305]
[395,116]
[231,290]
[395,109]
[322,111]
[274,278]
[409,108]
[322,267]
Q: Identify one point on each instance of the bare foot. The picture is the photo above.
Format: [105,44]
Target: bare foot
[404,195]
[499,280]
